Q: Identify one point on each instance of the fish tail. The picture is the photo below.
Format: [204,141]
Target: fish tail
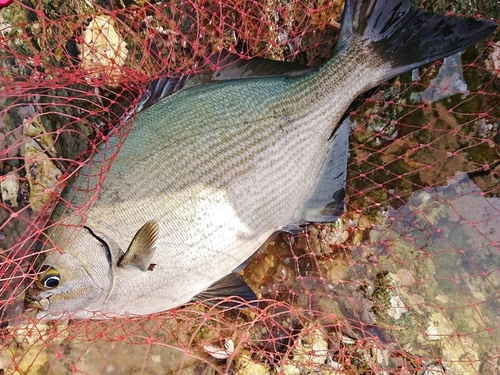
[399,38]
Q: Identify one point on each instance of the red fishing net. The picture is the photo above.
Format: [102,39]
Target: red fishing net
[406,282]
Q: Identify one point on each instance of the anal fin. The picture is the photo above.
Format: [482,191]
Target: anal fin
[228,286]
[326,202]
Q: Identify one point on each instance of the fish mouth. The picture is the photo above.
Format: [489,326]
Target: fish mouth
[41,304]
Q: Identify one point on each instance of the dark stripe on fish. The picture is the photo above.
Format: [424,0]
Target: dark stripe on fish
[104,243]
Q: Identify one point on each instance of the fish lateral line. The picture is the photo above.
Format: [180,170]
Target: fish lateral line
[230,67]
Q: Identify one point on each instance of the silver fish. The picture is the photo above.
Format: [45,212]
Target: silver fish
[209,173]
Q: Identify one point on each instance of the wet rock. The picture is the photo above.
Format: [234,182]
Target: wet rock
[244,365]
[9,186]
[103,51]
[42,174]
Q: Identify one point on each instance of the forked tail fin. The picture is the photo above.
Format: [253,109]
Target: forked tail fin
[406,37]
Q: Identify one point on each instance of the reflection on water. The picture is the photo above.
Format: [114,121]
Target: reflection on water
[449,81]
[453,287]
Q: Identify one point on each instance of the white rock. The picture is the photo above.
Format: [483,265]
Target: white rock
[9,187]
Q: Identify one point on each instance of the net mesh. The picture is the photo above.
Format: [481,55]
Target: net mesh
[407,282]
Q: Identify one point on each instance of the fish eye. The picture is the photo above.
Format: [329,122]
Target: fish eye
[51,282]
[49,279]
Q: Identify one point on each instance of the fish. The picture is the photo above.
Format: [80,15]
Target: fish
[210,171]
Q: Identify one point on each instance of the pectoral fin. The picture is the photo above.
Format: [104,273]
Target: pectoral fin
[141,249]
[231,285]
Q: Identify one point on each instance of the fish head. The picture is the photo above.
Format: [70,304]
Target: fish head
[74,284]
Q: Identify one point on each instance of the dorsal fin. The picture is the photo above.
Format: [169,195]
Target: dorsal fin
[326,202]
[141,249]
[228,286]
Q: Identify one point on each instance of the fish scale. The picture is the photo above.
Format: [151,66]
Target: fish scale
[216,169]
[266,209]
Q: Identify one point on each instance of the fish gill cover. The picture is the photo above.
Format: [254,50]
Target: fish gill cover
[406,282]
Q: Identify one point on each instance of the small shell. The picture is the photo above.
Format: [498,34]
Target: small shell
[397,308]
[218,352]
[493,60]
[9,188]
[312,347]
